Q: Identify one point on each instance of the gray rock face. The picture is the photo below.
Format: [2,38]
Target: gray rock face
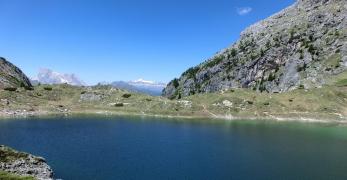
[301,45]
[24,164]
[12,76]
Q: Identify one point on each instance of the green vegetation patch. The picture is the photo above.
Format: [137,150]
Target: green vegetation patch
[333,61]
[191,72]
[341,83]
[9,176]
[8,155]
[215,61]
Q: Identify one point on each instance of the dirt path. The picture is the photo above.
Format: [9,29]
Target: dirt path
[209,112]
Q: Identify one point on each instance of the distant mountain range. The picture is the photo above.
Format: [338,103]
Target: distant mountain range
[48,76]
[141,86]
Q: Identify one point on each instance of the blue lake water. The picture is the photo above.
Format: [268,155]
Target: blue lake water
[124,148]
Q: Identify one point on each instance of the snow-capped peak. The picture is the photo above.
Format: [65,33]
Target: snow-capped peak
[48,76]
[142,82]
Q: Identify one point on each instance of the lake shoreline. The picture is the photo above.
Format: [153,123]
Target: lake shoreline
[308,118]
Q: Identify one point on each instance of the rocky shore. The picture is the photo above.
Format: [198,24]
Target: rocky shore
[24,164]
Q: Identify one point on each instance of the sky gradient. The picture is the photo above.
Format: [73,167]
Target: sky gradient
[111,40]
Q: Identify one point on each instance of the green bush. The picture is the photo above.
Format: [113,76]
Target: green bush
[29,88]
[10,89]
[175,83]
[48,88]
[233,52]
[271,77]
[119,105]
[126,95]
[214,61]
[191,72]
[9,176]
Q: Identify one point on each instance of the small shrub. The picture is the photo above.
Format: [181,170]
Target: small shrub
[301,54]
[271,77]
[28,88]
[119,104]
[175,83]
[262,52]
[47,88]
[268,44]
[310,37]
[250,102]
[266,103]
[242,46]
[127,95]
[233,52]
[311,49]
[213,62]
[10,89]
[301,86]
[191,72]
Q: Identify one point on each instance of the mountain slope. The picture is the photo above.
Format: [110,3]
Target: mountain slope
[12,76]
[301,46]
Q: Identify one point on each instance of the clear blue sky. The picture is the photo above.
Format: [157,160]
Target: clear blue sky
[107,40]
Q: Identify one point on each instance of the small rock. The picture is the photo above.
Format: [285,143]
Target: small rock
[227,103]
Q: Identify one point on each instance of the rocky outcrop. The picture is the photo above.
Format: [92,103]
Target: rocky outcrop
[11,76]
[24,164]
[300,46]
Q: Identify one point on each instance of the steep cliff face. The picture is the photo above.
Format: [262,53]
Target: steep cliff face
[12,76]
[300,46]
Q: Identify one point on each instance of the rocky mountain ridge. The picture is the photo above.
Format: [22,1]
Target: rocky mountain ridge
[298,47]
[11,76]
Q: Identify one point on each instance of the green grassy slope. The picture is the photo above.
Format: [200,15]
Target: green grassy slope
[9,176]
[328,102]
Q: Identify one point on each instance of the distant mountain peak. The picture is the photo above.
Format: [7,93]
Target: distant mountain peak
[143,81]
[141,86]
[48,76]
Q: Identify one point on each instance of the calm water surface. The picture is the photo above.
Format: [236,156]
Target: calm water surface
[135,148]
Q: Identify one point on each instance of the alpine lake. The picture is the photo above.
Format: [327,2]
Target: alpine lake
[126,147]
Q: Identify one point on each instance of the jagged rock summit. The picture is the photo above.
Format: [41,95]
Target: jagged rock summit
[11,76]
[301,46]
